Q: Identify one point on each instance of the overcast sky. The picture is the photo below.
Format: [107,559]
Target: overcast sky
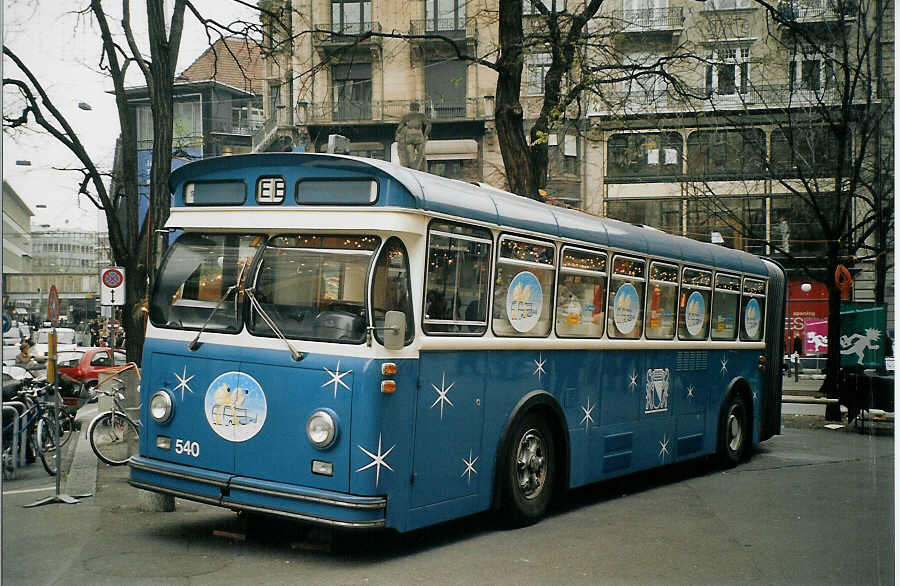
[62,49]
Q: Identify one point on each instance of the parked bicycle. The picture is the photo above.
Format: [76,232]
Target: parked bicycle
[112,434]
[37,427]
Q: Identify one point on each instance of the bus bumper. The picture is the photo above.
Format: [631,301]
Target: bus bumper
[309,505]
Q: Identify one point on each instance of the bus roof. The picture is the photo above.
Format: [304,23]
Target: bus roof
[402,187]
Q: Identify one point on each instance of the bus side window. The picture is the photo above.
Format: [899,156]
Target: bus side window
[457,279]
[693,304]
[753,310]
[391,288]
[662,297]
[626,298]
[726,297]
[523,288]
[581,299]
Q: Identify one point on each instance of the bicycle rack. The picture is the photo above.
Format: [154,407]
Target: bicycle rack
[7,407]
[19,447]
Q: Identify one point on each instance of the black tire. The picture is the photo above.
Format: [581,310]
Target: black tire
[48,459]
[44,429]
[528,471]
[114,438]
[734,432]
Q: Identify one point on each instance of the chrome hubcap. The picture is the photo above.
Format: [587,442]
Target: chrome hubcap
[735,433]
[531,464]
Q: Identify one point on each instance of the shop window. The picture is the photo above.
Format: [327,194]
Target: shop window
[644,155]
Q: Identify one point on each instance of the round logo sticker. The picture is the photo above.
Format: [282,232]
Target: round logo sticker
[626,307]
[752,319]
[694,313]
[235,406]
[524,301]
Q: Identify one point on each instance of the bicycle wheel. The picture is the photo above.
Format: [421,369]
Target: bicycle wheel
[113,437]
[43,434]
[48,456]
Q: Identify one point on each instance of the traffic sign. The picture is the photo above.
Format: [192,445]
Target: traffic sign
[112,286]
[53,304]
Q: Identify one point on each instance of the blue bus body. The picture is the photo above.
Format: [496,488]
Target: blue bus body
[434,449]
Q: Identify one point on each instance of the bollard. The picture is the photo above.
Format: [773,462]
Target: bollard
[154,502]
[19,448]
[15,437]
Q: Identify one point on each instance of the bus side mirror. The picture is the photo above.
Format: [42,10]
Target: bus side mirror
[394,330]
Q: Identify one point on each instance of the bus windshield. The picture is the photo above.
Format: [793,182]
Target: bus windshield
[313,287]
[198,272]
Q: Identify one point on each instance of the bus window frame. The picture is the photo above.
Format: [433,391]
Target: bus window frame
[270,203]
[642,279]
[410,334]
[489,292]
[682,286]
[676,282]
[372,201]
[712,308]
[208,181]
[561,269]
[553,267]
[764,297]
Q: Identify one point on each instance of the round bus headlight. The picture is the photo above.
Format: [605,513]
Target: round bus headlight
[161,407]
[321,429]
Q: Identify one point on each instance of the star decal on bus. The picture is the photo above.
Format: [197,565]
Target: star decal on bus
[724,369]
[587,420]
[539,364]
[442,394]
[336,378]
[755,396]
[690,392]
[470,468]
[664,447]
[183,381]
[633,382]
[377,460]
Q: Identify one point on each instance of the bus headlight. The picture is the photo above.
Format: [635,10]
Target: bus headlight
[161,407]
[321,429]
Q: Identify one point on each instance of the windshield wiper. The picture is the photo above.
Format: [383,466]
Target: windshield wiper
[295,354]
[195,343]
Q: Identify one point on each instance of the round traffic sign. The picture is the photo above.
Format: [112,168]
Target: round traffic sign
[112,278]
[53,304]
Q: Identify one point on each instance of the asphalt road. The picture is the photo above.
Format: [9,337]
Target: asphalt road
[813,506]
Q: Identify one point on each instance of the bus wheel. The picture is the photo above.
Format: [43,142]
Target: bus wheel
[733,432]
[529,472]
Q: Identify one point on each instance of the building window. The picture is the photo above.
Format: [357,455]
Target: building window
[713,153]
[352,91]
[351,18]
[740,221]
[529,6]
[728,71]
[188,122]
[727,4]
[662,213]
[144,126]
[644,155]
[445,16]
[807,151]
[810,71]
[451,169]
[536,67]
[274,97]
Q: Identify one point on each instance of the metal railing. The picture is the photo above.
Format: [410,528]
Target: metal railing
[230,126]
[345,33]
[648,19]
[283,118]
[756,97]
[393,110]
[452,28]
[815,10]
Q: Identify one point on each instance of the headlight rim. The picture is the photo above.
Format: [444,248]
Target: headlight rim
[170,407]
[332,419]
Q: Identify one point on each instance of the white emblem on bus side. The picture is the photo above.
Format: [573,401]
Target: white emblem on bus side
[657,396]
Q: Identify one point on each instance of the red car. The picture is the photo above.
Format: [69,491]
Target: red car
[84,364]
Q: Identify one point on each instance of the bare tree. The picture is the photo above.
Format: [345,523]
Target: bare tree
[131,247]
[829,152]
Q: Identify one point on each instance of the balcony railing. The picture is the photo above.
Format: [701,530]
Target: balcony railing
[235,127]
[649,19]
[452,28]
[283,118]
[756,97]
[346,33]
[391,111]
[816,10]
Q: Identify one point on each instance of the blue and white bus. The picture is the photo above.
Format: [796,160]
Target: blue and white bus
[347,342]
